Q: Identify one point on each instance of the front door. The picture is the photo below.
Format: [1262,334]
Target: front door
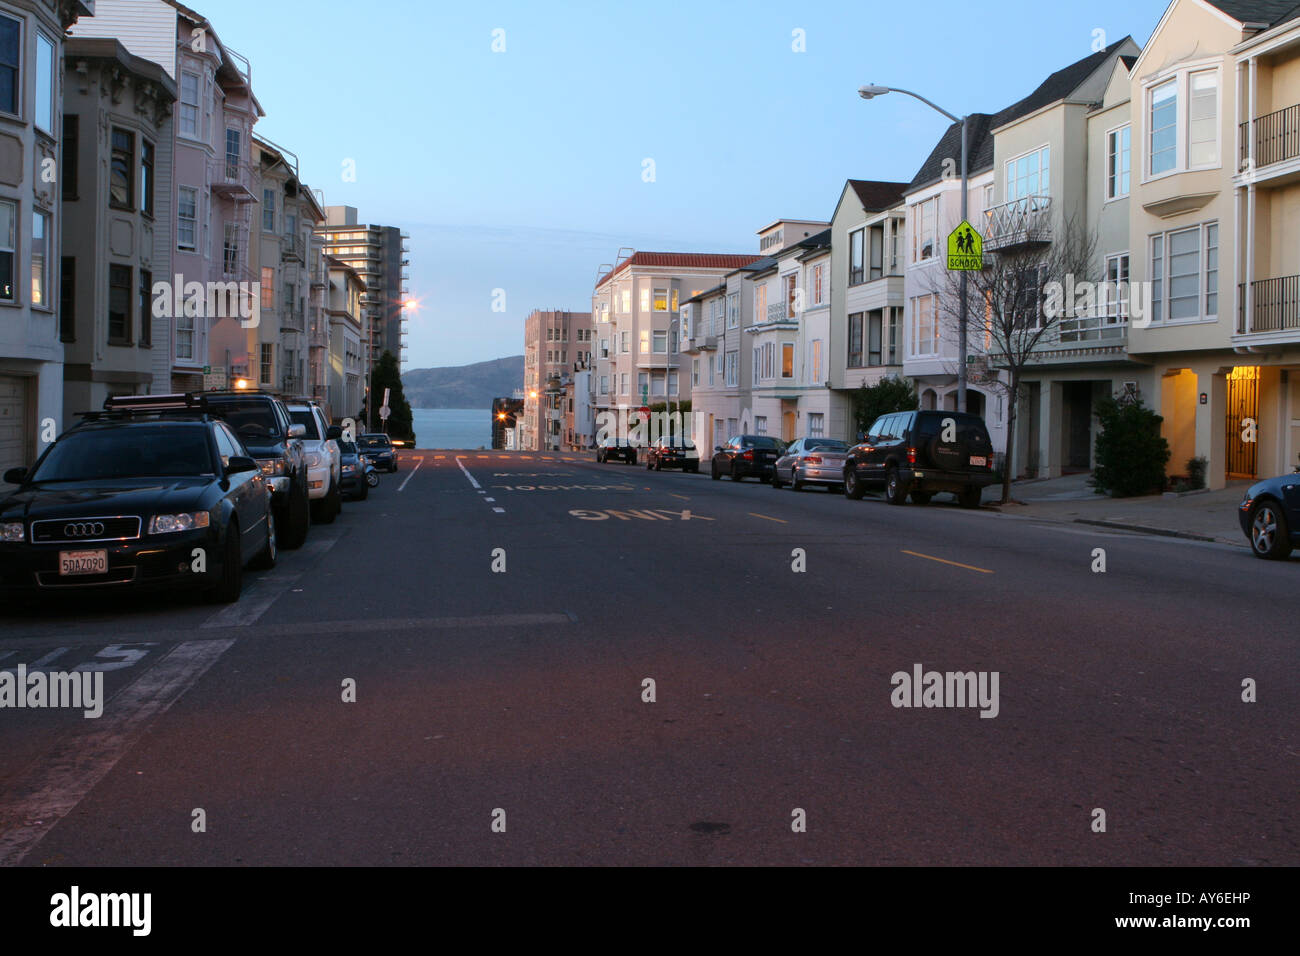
[1242,422]
[787,426]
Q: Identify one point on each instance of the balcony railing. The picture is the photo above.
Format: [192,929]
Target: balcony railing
[1091,328]
[1026,221]
[232,178]
[1276,306]
[776,312]
[291,247]
[1277,138]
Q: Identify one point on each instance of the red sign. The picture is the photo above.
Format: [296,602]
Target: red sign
[645,412]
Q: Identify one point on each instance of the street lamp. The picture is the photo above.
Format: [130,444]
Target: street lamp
[871,91]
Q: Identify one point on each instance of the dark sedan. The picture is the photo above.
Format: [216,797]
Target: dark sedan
[137,500]
[811,461]
[610,448]
[352,469]
[747,456]
[379,449]
[1270,516]
[672,452]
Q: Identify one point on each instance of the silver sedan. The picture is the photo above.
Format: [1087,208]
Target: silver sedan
[809,461]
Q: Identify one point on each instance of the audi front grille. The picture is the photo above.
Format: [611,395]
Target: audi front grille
[84,530]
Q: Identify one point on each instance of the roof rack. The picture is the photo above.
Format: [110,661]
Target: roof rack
[186,401]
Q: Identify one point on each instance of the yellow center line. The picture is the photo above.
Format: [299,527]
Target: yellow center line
[955,564]
[683,497]
[768,517]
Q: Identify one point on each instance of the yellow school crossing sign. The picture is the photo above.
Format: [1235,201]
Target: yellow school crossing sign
[965,248]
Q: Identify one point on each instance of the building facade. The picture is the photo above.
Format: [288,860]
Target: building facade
[555,343]
[379,255]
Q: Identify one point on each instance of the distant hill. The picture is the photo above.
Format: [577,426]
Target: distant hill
[463,386]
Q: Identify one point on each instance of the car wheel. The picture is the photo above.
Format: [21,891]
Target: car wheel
[970,497]
[372,481]
[226,591]
[735,472]
[333,502]
[921,497]
[796,484]
[1269,536]
[294,530]
[714,473]
[895,489]
[776,478]
[632,460]
[265,559]
[659,465]
[853,484]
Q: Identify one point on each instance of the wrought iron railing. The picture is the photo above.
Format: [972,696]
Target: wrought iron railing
[1277,138]
[1274,305]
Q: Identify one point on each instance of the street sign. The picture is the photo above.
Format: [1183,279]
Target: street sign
[383,412]
[213,381]
[645,412]
[965,249]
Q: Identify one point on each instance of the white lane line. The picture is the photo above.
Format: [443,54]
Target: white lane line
[489,499]
[418,463]
[265,591]
[63,776]
[499,511]
[467,474]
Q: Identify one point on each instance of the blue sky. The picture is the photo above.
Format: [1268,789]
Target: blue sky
[522,170]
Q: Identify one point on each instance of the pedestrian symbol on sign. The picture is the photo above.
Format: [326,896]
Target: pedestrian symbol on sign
[965,248]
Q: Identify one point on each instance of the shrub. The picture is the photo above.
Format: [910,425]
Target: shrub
[1196,473]
[888,395]
[1131,453]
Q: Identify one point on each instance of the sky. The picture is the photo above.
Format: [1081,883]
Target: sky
[666,126]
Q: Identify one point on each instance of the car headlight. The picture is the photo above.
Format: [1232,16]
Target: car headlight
[166,524]
[11,531]
[313,459]
[273,467]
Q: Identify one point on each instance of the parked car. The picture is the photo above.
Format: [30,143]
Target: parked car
[1270,516]
[151,493]
[610,447]
[811,461]
[922,453]
[354,471]
[262,423]
[379,449]
[324,469]
[672,452]
[747,456]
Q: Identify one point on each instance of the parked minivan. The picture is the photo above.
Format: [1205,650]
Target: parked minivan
[921,453]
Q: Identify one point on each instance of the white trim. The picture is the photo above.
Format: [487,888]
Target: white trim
[1164,18]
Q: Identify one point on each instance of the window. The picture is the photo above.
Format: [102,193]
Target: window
[855,257]
[713,367]
[925,224]
[1116,289]
[674,300]
[40,259]
[731,368]
[8,244]
[672,341]
[893,335]
[267,365]
[760,424]
[1118,161]
[760,303]
[146,177]
[645,299]
[230,249]
[11,44]
[232,152]
[1029,175]
[185,337]
[661,342]
[873,337]
[816,370]
[68,299]
[818,284]
[189,114]
[791,294]
[1164,127]
[623,390]
[268,287]
[604,385]
[1203,119]
[816,425]
[268,210]
[876,252]
[733,310]
[1212,269]
[855,340]
[623,342]
[643,347]
[787,360]
[925,328]
[71,150]
[45,83]
[1184,274]
[119,305]
[146,309]
[672,381]
[626,299]
[1157,277]
[656,384]
[661,300]
[604,348]
[121,174]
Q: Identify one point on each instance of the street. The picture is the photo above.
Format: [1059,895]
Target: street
[500,613]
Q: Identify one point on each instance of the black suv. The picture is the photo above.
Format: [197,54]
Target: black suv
[263,424]
[922,453]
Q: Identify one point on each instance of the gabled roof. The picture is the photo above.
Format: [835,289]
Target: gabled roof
[979,143]
[685,260]
[877,195]
[1059,85]
[1272,12]
[707,293]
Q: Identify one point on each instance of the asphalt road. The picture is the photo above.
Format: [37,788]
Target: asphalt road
[516,695]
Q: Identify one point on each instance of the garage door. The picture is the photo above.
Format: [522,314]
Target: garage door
[13,422]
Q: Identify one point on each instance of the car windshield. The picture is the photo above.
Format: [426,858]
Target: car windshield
[252,421]
[375,443]
[347,447]
[305,418]
[132,451]
[825,444]
[761,441]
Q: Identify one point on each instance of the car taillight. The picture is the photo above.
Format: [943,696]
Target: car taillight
[748,456]
[911,456]
[813,460]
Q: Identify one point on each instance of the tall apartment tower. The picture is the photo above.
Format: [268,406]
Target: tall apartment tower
[379,255]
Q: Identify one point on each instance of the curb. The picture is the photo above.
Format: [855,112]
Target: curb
[1143,529]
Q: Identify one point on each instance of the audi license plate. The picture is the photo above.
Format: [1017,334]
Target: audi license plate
[979,461]
[83,562]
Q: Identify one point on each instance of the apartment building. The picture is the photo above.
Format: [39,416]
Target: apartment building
[556,342]
[346,374]
[379,254]
[117,108]
[31,121]
[864,325]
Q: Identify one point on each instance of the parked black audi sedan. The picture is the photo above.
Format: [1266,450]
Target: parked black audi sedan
[922,453]
[672,452]
[747,456]
[151,493]
[378,447]
[1270,516]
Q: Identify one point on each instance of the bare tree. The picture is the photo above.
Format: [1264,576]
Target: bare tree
[1017,304]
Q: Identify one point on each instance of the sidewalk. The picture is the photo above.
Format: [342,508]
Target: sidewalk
[1205,516]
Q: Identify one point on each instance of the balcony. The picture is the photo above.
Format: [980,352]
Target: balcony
[1276,306]
[232,178]
[291,248]
[1082,329]
[1277,140]
[1018,225]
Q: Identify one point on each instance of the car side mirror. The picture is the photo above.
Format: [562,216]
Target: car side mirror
[297,431]
[238,464]
[15,476]
[333,433]
[717,448]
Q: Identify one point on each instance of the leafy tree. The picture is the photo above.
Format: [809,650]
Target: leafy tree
[888,395]
[386,374]
[1131,452]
